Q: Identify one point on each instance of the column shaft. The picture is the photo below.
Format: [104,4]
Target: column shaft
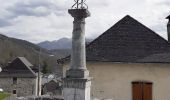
[78,58]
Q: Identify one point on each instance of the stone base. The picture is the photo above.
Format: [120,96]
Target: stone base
[76,89]
[78,73]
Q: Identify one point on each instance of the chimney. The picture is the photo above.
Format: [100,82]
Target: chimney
[168,28]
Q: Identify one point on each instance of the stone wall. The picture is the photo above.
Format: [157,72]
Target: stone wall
[114,80]
[24,86]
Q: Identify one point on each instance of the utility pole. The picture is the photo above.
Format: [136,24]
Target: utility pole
[39,74]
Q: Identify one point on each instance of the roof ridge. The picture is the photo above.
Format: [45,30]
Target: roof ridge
[124,18]
[105,32]
[29,68]
[25,61]
[148,29]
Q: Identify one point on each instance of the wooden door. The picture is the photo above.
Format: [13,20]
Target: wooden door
[137,91]
[147,91]
[142,91]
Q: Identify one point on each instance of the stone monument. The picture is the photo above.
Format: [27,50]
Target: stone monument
[77,82]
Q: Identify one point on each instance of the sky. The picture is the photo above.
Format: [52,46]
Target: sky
[41,20]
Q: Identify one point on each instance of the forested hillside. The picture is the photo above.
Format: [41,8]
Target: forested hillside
[11,48]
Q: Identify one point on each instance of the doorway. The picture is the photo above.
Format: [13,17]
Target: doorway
[142,90]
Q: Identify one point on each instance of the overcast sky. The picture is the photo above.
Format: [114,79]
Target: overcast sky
[40,20]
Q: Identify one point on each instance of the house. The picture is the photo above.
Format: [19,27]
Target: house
[128,62]
[18,78]
[53,88]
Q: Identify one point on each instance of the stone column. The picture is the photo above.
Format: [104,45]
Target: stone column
[78,56]
[76,84]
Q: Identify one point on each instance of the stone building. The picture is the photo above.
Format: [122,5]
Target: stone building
[128,62]
[18,78]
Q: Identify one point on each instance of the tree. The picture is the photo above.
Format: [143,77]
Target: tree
[45,67]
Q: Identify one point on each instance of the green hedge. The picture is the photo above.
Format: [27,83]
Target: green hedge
[3,95]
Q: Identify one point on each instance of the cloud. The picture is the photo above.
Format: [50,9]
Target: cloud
[26,11]
[4,23]
[36,29]
[37,8]
[39,20]
[163,2]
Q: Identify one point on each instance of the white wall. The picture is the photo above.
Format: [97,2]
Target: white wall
[114,80]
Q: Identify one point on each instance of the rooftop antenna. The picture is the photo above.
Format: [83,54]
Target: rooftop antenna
[80,4]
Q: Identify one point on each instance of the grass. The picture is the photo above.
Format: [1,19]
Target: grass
[3,95]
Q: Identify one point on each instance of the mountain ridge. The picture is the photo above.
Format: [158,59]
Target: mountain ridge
[10,48]
[63,43]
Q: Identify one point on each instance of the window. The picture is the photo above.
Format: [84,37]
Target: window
[14,92]
[14,80]
[142,90]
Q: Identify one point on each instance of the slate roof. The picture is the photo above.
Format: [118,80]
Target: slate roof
[129,41]
[168,17]
[163,57]
[19,67]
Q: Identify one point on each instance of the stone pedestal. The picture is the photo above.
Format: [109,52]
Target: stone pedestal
[76,89]
[77,82]
[78,73]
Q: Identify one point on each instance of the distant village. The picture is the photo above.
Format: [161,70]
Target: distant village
[128,61]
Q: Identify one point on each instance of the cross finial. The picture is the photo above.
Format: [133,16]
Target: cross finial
[80,4]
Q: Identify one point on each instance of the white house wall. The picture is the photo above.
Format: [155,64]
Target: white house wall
[114,80]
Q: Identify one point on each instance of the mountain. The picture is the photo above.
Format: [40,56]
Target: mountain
[11,48]
[63,43]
